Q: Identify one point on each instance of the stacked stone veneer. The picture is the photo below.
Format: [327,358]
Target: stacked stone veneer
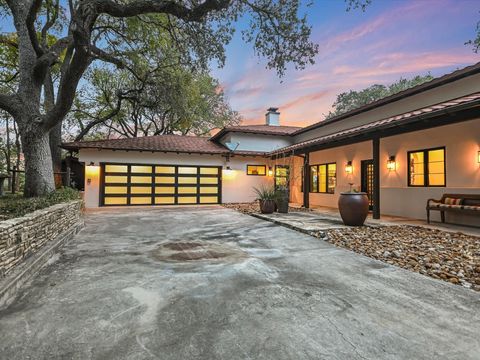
[23,236]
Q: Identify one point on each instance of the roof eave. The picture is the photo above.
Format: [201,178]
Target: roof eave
[410,122]
[443,80]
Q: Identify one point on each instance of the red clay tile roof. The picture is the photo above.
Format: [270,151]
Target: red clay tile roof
[258,129]
[168,143]
[393,121]
[160,143]
[442,80]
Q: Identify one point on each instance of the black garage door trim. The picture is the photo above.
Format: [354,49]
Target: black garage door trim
[152,188]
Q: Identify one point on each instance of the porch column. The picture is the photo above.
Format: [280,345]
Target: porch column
[376,177]
[306,182]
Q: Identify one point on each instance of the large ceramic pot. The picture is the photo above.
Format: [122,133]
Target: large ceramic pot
[267,206]
[353,208]
[282,202]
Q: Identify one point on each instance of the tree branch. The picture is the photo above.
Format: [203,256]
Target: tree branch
[51,19]
[103,55]
[67,89]
[49,58]
[98,121]
[9,103]
[196,13]
[30,22]
[8,40]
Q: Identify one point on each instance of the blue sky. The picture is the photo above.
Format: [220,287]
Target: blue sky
[391,39]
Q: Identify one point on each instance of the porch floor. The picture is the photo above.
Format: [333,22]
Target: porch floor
[322,218]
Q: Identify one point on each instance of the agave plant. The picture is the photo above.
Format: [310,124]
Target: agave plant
[265,192]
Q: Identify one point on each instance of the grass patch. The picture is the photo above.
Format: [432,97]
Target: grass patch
[15,205]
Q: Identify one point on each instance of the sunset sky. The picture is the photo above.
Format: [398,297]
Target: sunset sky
[392,39]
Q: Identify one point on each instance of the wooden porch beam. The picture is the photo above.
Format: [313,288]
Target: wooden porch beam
[376,177]
[306,181]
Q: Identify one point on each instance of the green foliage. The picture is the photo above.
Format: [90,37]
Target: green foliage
[265,192]
[475,42]
[172,99]
[15,205]
[352,99]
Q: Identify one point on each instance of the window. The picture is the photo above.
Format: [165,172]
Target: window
[282,174]
[323,178]
[258,170]
[427,167]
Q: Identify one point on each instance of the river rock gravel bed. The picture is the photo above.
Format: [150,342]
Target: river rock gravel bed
[448,256]
[254,208]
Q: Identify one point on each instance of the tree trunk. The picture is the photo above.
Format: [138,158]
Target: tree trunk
[8,155]
[55,139]
[38,164]
[18,153]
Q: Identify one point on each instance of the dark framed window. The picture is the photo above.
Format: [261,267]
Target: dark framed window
[427,168]
[282,176]
[323,178]
[257,170]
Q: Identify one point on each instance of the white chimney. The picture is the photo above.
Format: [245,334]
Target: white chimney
[272,117]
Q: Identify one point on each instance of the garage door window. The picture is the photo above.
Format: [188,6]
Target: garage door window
[160,184]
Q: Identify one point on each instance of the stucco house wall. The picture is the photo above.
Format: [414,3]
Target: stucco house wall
[340,155]
[462,142]
[236,184]
[257,142]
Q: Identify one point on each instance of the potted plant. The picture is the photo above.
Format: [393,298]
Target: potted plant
[353,207]
[281,199]
[266,197]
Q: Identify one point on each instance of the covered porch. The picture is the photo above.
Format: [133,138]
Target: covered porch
[375,158]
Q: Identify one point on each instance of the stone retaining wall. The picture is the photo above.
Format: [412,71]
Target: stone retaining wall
[23,236]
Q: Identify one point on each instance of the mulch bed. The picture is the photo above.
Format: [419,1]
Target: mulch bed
[452,257]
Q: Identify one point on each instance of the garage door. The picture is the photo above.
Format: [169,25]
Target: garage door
[133,184]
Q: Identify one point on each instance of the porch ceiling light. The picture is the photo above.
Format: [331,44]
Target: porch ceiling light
[349,167]
[391,163]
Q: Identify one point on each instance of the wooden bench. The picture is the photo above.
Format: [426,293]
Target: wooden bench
[459,203]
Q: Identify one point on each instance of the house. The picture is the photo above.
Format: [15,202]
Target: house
[401,150]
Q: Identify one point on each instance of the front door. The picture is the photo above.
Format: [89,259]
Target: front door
[367,180]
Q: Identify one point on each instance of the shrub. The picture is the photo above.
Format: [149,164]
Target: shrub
[265,192]
[12,206]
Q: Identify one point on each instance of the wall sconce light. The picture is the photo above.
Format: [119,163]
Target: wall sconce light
[270,171]
[349,167]
[228,173]
[478,156]
[391,164]
[91,171]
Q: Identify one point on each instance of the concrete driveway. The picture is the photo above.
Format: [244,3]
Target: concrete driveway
[210,283]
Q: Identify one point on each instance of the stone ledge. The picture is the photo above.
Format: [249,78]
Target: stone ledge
[12,283]
[28,242]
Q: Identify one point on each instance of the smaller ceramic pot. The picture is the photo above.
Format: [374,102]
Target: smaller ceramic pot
[353,208]
[267,206]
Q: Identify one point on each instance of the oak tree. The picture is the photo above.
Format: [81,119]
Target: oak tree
[91,30]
